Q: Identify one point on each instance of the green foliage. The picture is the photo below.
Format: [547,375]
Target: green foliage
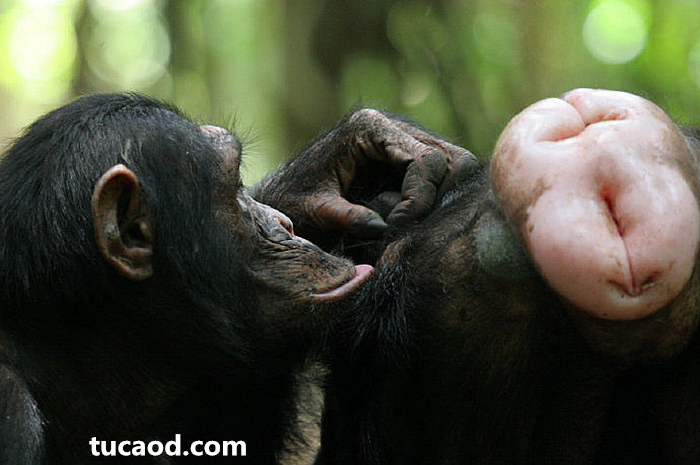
[289,68]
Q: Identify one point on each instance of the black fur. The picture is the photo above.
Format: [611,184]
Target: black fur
[466,356]
[88,352]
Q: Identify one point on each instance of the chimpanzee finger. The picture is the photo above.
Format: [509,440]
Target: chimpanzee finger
[460,170]
[385,202]
[332,212]
[419,133]
[419,188]
[397,150]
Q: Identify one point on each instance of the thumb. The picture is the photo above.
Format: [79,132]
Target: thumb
[332,212]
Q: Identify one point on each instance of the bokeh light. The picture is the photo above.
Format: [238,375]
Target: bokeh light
[129,45]
[497,36]
[416,89]
[42,45]
[615,31]
[462,68]
[39,60]
[111,11]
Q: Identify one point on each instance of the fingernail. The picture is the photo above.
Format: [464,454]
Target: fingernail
[377,223]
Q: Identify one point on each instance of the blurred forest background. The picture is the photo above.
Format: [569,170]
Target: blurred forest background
[279,71]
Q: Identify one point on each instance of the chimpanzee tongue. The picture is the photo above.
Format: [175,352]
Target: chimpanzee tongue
[362,273]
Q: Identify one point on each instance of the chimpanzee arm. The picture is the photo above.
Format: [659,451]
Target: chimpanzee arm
[369,159]
[21,431]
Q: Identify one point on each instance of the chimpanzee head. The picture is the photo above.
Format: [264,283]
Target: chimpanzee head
[123,220]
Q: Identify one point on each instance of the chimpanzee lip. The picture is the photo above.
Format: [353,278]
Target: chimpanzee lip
[362,273]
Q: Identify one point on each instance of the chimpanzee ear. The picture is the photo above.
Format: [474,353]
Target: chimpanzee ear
[123,229]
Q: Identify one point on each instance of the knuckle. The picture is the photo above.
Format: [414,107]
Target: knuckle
[365,114]
[433,163]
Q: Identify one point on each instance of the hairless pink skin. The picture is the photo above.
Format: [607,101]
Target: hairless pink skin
[362,273]
[600,185]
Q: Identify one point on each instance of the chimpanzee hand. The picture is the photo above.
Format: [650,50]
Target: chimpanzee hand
[369,170]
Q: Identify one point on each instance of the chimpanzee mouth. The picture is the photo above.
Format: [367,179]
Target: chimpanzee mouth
[362,273]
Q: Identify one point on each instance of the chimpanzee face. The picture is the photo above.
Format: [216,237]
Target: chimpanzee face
[284,266]
[285,270]
[135,268]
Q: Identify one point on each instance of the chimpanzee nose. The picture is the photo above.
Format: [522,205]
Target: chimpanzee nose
[286,223]
[274,221]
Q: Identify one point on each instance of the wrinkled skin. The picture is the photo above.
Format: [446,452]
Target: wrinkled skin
[601,187]
[358,161]
[280,262]
[610,164]
[465,346]
[146,293]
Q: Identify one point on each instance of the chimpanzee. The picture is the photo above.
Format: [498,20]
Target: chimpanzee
[545,311]
[146,295]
